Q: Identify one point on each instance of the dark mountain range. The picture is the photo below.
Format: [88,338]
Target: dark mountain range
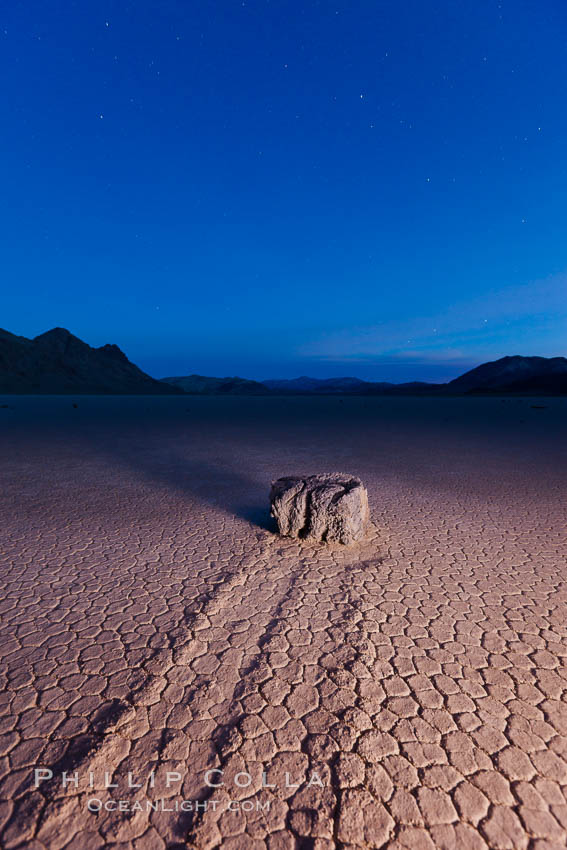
[58,362]
[316,385]
[515,374]
[201,385]
[345,386]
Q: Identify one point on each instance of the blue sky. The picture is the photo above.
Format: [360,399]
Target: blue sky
[279,188]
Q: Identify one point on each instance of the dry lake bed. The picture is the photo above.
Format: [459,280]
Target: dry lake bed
[176,675]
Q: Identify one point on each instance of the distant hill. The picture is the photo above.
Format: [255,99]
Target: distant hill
[515,374]
[205,385]
[323,386]
[58,362]
[202,385]
[345,386]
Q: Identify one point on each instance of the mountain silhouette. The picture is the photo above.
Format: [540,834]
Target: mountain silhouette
[323,386]
[58,362]
[514,375]
[202,385]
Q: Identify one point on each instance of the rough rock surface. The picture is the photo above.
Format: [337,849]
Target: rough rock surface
[325,508]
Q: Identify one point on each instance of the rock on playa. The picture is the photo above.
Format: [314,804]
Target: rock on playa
[325,508]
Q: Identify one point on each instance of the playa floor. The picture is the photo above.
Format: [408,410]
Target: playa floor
[408,692]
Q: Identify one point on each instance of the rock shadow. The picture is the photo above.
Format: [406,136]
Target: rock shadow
[217,482]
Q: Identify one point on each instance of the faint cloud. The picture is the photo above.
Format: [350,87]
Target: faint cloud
[529,319]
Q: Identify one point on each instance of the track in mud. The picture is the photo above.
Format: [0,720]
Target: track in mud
[420,676]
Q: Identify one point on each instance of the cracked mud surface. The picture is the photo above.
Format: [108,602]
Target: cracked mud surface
[152,622]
